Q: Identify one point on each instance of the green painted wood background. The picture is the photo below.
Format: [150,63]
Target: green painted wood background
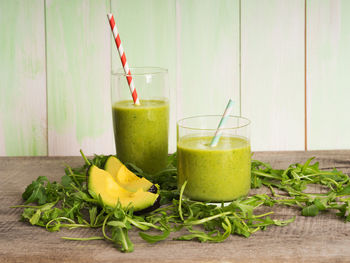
[56,57]
[273,72]
[22,78]
[328,74]
[78,77]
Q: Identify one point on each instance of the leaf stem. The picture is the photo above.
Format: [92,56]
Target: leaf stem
[84,157]
[180,200]
[83,238]
[103,228]
[206,219]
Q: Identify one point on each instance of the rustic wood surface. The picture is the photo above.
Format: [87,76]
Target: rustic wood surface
[324,238]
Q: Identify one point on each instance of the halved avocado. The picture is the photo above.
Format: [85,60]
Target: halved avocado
[100,182]
[127,179]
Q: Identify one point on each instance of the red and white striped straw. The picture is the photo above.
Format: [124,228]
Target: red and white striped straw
[123,59]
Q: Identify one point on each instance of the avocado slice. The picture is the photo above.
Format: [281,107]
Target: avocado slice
[100,182]
[127,179]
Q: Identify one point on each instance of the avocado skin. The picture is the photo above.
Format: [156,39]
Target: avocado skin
[153,189]
[155,205]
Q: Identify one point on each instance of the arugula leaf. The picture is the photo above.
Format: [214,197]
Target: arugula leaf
[92,215]
[66,181]
[121,238]
[172,160]
[35,192]
[154,238]
[311,210]
[99,160]
[117,224]
[345,190]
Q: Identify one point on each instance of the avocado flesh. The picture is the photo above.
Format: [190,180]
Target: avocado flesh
[125,177]
[101,183]
[113,165]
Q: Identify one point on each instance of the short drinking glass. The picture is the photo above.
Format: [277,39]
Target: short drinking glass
[216,174]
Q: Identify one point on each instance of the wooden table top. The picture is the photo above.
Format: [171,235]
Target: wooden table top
[324,238]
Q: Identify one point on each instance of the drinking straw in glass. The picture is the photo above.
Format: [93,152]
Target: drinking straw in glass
[123,59]
[222,123]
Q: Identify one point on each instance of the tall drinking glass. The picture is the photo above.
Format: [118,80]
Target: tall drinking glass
[141,131]
[220,173]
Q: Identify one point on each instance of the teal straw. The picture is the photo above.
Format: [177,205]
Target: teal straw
[222,123]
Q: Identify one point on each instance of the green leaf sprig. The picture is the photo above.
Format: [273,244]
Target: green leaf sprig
[293,182]
[68,204]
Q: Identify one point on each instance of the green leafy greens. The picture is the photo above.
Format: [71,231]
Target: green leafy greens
[68,204]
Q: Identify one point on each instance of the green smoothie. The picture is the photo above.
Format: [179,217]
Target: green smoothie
[220,173]
[141,133]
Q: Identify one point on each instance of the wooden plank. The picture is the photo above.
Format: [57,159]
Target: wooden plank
[147,31]
[207,56]
[309,239]
[273,72]
[78,75]
[328,79]
[23,125]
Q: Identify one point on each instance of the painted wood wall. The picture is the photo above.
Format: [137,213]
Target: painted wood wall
[286,63]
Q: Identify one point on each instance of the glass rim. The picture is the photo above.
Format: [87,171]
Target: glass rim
[152,71]
[212,129]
